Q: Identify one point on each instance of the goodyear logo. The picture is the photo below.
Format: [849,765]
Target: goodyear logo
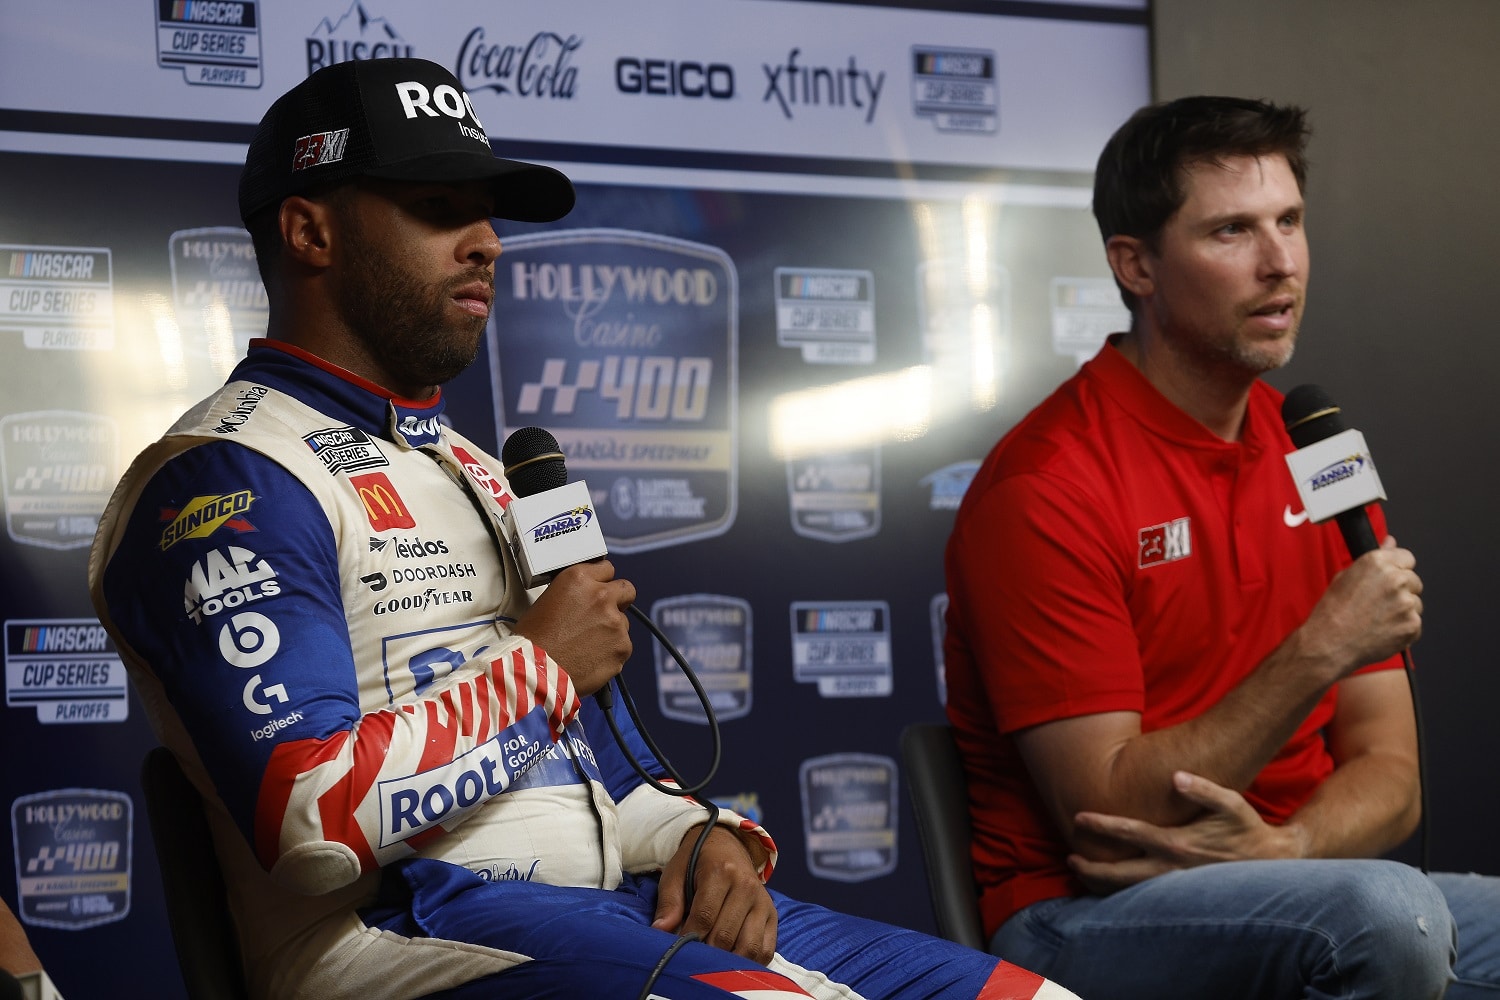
[202,516]
[561,524]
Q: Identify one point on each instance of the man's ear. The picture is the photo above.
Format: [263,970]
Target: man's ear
[1133,264]
[306,231]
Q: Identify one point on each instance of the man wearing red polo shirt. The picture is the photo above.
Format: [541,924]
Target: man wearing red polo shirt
[1180,706]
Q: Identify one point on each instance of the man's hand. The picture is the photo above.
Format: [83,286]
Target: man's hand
[580,621]
[1371,610]
[731,908]
[1228,829]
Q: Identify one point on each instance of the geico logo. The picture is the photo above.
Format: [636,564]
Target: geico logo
[424,800]
[449,100]
[667,78]
[416,548]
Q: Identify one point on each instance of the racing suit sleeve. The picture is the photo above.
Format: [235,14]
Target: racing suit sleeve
[223,584]
[653,822]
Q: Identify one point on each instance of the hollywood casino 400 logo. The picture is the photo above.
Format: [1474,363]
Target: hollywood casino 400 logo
[642,388]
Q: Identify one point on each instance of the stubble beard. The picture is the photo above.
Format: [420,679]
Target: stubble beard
[403,324]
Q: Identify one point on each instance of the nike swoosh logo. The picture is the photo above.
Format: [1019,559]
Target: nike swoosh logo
[1292,520]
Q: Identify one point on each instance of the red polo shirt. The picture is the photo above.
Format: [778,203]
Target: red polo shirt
[1113,554]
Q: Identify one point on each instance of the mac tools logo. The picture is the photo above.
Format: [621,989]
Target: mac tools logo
[353,37]
[539,67]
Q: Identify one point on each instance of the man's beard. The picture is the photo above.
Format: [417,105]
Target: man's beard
[402,323]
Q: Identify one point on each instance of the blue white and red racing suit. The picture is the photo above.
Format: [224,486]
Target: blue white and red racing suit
[311,585]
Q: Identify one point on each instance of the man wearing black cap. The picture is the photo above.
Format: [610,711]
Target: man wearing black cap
[310,581]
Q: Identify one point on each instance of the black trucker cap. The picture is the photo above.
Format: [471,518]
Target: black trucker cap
[396,119]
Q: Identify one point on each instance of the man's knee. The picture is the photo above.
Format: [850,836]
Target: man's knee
[1401,926]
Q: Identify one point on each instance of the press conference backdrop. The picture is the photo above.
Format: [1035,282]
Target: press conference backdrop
[824,254]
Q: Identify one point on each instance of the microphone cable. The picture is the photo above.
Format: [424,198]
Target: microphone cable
[1424,825]
[605,699]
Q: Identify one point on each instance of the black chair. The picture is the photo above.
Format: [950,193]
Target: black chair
[208,953]
[939,797]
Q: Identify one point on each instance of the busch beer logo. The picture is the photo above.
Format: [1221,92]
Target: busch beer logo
[226,579]
[383,505]
[357,35]
[324,147]
[1162,543]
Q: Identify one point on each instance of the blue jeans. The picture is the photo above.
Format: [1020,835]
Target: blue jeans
[1270,930]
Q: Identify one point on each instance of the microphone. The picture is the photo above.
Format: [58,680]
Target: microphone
[1332,467]
[552,522]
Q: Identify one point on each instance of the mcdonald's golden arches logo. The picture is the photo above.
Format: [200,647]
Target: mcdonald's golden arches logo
[383,505]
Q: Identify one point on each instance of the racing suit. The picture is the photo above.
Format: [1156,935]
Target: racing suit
[311,586]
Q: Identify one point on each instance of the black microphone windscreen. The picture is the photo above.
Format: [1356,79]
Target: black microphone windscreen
[533,461]
[1311,415]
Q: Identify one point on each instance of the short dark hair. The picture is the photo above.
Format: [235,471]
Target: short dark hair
[1138,180]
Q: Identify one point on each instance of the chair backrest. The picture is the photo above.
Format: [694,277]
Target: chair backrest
[208,952]
[935,782]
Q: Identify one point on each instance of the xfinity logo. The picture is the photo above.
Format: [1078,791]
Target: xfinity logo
[667,78]
[792,85]
[541,67]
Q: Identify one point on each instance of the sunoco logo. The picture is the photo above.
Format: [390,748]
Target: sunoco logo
[562,524]
[1344,468]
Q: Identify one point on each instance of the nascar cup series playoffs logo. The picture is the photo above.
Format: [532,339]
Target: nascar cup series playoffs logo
[67,668]
[843,646]
[58,298]
[624,345]
[215,43]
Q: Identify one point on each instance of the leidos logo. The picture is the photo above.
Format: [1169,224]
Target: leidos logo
[225,579]
[353,37]
[1163,543]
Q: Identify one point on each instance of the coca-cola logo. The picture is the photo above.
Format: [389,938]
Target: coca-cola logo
[540,67]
